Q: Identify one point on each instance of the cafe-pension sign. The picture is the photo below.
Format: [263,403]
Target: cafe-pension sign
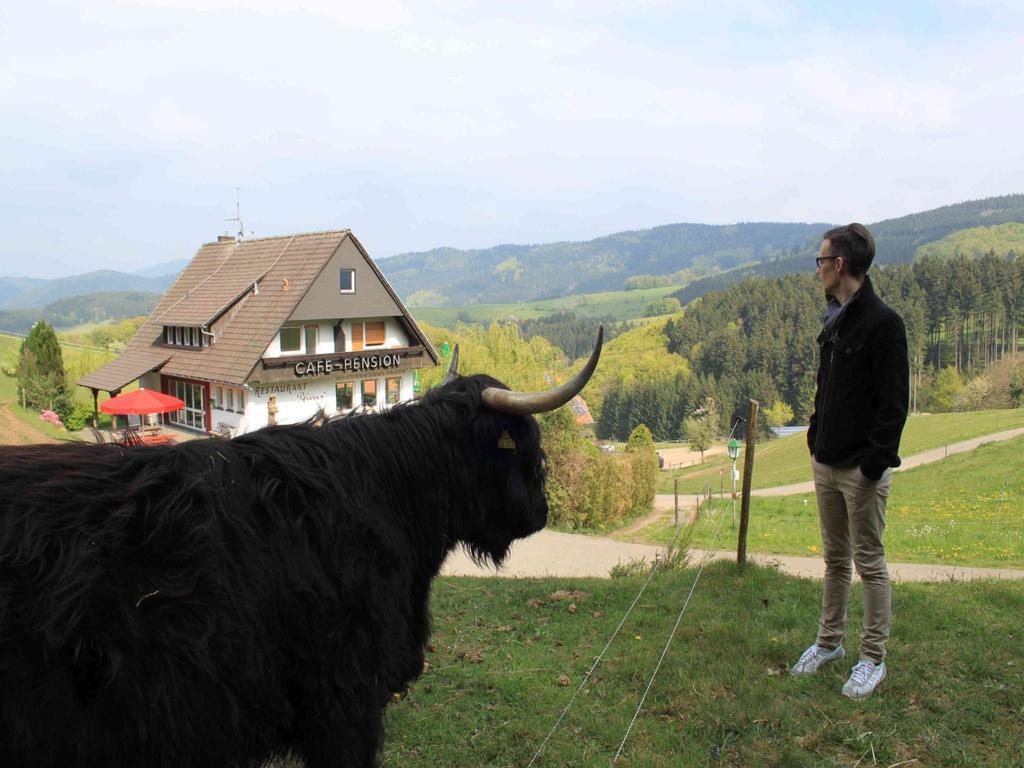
[324,366]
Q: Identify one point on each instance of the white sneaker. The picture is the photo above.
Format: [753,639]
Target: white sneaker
[864,679]
[813,658]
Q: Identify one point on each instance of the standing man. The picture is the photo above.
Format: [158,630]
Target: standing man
[860,408]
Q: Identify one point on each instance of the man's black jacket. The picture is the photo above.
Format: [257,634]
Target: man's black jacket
[863,387]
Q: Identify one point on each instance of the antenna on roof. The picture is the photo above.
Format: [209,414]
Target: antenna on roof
[238,217]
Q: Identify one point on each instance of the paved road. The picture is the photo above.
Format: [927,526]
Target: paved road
[555,554]
[551,553]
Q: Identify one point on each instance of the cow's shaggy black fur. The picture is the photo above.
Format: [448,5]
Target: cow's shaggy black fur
[219,602]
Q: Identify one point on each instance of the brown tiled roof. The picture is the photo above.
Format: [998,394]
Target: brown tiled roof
[220,279]
[127,368]
[222,286]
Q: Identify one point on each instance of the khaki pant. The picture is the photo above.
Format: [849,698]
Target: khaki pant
[852,512]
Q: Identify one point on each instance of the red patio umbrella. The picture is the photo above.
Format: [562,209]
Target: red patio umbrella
[141,402]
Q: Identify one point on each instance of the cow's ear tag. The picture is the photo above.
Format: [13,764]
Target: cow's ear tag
[506,441]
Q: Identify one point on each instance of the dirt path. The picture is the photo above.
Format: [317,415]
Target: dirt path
[567,555]
[687,457]
[666,501]
[551,553]
[14,431]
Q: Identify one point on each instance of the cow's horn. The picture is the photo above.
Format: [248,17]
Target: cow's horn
[538,402]
[453,368]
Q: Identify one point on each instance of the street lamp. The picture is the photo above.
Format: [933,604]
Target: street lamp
[734,453]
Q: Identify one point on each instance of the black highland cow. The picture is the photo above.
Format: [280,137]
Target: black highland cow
[222,602]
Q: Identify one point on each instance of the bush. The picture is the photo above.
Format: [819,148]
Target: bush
[587,489]
[644,464]
[1017,386]
[79,416]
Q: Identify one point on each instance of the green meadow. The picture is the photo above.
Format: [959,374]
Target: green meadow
[786,461]
[507,655]
[966,509]
[77,362]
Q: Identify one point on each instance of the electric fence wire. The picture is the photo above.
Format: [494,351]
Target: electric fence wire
[708,554]
[586,677]
[597,661]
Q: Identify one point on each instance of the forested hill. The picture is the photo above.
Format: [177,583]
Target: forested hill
[896,240]
[508,273]
[756,339]
[75,310]
[26,292]
[706,256]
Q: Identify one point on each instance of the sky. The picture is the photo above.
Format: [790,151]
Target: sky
[126,127]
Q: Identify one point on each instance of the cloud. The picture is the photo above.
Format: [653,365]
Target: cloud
[167,117]
[467,123]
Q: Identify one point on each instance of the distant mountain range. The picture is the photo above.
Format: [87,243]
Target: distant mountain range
[89,298]
[705,256]
[710,256]
[508,273]
[75,310]
[27,292]
[896,240]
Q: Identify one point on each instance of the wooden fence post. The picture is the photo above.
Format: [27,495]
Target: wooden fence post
[677,500]
[748,473]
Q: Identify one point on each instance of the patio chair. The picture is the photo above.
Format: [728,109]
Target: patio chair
[130,438]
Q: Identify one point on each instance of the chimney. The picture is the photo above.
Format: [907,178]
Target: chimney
[225,238]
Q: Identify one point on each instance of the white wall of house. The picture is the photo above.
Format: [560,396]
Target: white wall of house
[393,332]
[300,400]
[225,411]
[394,335]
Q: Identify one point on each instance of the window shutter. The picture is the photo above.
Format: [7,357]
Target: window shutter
[374,334]
[357,337]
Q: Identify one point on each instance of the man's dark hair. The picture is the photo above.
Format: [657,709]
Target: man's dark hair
[855,244]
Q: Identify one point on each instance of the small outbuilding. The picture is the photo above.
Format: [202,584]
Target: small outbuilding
[274,330]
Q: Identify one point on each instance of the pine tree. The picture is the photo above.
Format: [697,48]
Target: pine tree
[42,381]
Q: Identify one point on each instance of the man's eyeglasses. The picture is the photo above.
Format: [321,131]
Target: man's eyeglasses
[819,259]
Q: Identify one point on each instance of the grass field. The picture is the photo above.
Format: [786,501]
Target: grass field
[967,509]
[620,305]
[507,655]
[785,461]
[76,361]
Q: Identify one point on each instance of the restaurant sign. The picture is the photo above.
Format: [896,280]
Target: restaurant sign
[348,364]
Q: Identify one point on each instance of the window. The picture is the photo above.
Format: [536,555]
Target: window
[347,281]
[185,336]
[311,338]
[193,415]
[229,399]
[393,390]
[291,339]
[374,334]
[343,395]
[369,392]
